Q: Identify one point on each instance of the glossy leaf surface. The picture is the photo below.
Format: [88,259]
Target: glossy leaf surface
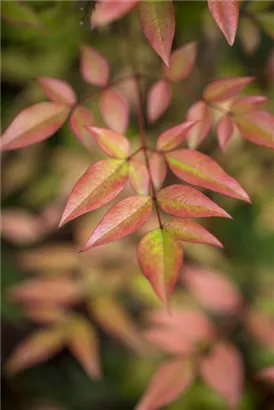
[174,136]
[114,144]
[138,177]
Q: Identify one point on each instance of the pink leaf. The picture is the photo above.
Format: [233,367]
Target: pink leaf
[198,169]
[257,127]
[34,124]
[124,218]
[243,105]
[224,130]
[201,114]
[157,19]
[158,169]
[181,62]
[189,231]
[114,145]
[138,177]
[80,118]
[107,11]
[182,200]
[114,108]
[171,379]
[158,100]
[57,90]
[94,67]
[261,327]
[226,15]
[101,183]
[222,370]
[225,88]
[266,375]
[160,257]
[174,136]
[212,289]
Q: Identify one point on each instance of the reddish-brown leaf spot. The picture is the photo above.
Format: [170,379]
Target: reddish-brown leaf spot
[225,88]
[158,169]
[34,124]
[80,118]
[174,136]
[224,130]
[57,90]
[226,15]
[114,108]
[94,67]
[199,112]
[243,105]
[198,169]
[114,144]
[138,177]
[107,11]
[158,23]
[160,257]
[101,183]
[181,62]
[158,100]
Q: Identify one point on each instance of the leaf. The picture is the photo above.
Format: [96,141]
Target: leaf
[38,347]
[138,177]
[185,201]
[257,127]
[42,313]
[57,90]
[225,128]
[174,136]
[226,15]
[34,124]
[181,62]
[198,169]
[213,290]
[158,24]
[80,118]
[200,113]
[112,143]
[225,88]
[171,379]
[243,105]
[261,327]
[266,22]
[266,375]
[189,231]
[222,370]
[107,11]
[249,34]
[158,99]
[94,67]
[124,218]
[114,108]
[83,344]
[20,14]
[101,183]
[158,169]
[160,257]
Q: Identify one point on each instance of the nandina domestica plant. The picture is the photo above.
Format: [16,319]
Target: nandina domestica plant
[221,107]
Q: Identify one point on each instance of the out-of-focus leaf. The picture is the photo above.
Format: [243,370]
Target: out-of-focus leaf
[266,375]
[57,90]
[114,144]
[266,21]
[80,118]
[124,218]
[94,67]
[158,169]
[226,15]
[174,136]
[225,88]
[198,169]
[101,183]
[158,100]
[42,313]
[160,257]
[224,130]
[201,113]
[243,105]
[19,13]
[114,108]
[34,124]
[260,326]
[107,11]
[249,34]
[158,23]
[138,177]
[181,62]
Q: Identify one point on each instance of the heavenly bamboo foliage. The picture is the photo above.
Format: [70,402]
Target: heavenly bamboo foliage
[80,118]
[226,15]
[113,144]
[158,100]
[57,90]
[114,108]
[138,177]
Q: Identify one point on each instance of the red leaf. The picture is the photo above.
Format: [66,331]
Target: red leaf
[171,379]
[267,375]
[198,169]
[107,11]
[57,90]
[226,15]
[261,327]
[224,130]
[138,177]
[158,99]
[225,88]
[34,124]
[80,118]
[42,313]
[212,289]
[201,114]
[243,105]
[181,62]
[115,110]
[114,145]
[189,231]
[124,218]
[94,67]
[160,257]
[157,19]
[174,136]
[101,183]
[222,370]
[257,127]
[158,169]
